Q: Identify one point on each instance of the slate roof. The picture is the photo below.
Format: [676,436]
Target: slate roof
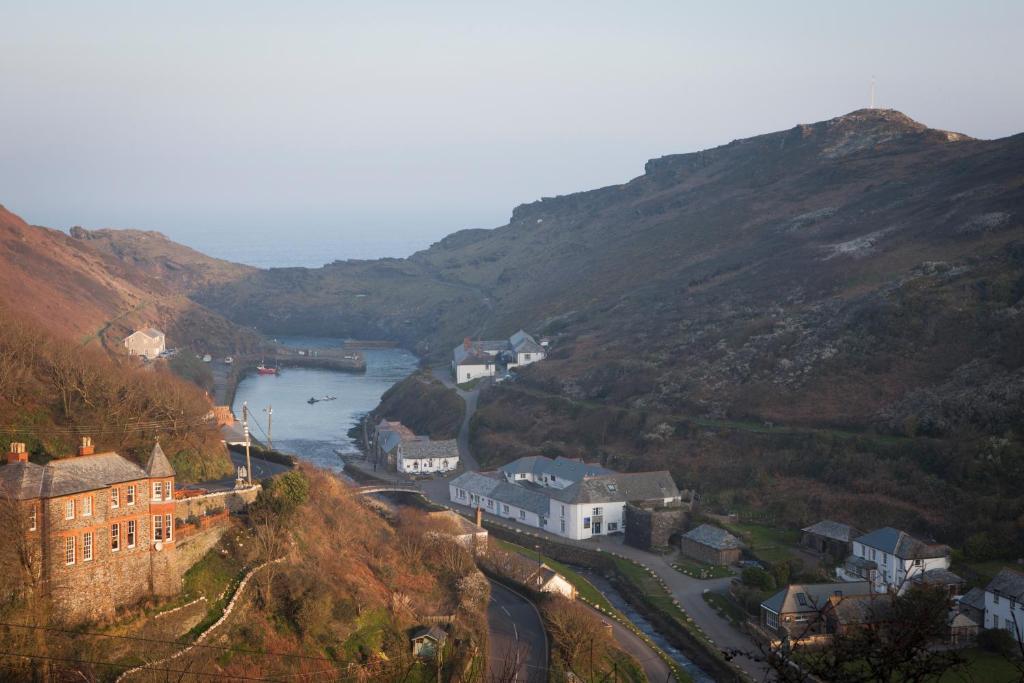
[862,609]
[1009,583]
[815,596]
[974,598]
[569,469]
[21,480]
[435,633]
[938,577]
[425,448]
[901,544]
[159,465]
[87,473]
[521,342]
[471,356]
[151,332]
[619,487]
[495,487]
[834,530]
[714,537]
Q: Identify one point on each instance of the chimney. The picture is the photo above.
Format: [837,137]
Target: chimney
[17,453]
[86,448]
[479,517]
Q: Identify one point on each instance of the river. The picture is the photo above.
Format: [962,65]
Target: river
[319,432]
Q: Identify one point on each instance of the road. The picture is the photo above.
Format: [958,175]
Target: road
[261,469]
[654,666]
[516,638]
[470,397]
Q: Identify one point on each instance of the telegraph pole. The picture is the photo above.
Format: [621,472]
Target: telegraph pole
[269,410]
[245,429]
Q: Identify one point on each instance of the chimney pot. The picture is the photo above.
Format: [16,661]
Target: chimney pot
[86,447]
[17,452]
[479,517]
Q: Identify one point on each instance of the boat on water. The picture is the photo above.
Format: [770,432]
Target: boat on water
[313,399]
[265,370]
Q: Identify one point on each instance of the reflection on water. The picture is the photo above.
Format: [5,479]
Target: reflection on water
[319,432]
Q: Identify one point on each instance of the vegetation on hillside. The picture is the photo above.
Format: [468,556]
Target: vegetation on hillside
[424,405]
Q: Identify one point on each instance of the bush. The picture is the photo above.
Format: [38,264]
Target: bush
[758,578]
[997,640]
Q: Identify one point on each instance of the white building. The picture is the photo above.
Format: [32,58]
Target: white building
[469,363]
[423,456]
[525,350]
[564,496]
[149,342]
[1004,603]
[890,559]
[547,580]
[474,359]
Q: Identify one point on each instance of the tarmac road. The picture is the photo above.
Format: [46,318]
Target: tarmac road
[516,638]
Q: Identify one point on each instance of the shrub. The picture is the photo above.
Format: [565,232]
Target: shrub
[758,578]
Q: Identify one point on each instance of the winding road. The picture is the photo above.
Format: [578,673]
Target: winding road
[516,638]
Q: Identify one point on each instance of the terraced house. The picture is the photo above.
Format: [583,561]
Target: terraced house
[100,527]
[564,496]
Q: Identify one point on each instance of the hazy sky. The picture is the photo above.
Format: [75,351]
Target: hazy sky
[299,132]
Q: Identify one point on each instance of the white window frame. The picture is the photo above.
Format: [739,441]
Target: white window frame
[87,506]
[131,533]
[33,518]
[168,529]
[168,490]
[115,498]
[69,510]
[115,537]
[158,526]
[158,490]
[69,550]
[522,514]
[87,546]
[130,495]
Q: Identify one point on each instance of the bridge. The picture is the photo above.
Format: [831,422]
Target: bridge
[386,488]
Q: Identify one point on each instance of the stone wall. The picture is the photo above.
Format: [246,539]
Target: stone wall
[234,501]
[648,528]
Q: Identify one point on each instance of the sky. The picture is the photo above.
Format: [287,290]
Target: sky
[296,133]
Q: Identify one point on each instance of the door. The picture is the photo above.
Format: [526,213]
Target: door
[597,527]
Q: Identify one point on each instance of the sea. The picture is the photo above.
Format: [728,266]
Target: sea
[319,432]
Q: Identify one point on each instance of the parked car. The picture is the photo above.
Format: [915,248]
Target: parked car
[229,360]
[207,358]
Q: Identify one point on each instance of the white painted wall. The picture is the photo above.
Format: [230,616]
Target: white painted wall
[467,373]
[1000,612]
[893,573]
[428,465]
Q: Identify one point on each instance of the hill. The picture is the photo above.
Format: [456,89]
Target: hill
[854,277]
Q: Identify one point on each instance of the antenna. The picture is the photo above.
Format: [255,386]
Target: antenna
[872,93]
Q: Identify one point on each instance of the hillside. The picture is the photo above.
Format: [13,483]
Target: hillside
[78,288]
[862,275]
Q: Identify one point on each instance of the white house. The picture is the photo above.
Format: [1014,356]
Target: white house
[525,350]
[1004,603]
[469,362]
[890,559]
[547,580]
[421,455]
[564,496]
[149,342]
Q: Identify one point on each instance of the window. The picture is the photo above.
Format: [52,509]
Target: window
[69,550]
[460,493]
[87,546]
[563,526]
[586,522]
[32,518]
[168,528]
[885,558]
[115,498]
[168,490]
[115,537]
[158,527]
[612,526]
[504,508]
[526,356]
[131,533]
[87,506]
[597,512]
[801,598]
[490,503]
[917,563]
[130,496]
[563,511]
[158,490]
[995,598]
[69,509]
[522,514]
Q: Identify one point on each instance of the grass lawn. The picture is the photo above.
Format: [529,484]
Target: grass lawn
[984,666]
[726,608]
[470,385]
[699,570]
[768,543]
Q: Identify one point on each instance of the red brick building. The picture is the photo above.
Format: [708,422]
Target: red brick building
[102,526]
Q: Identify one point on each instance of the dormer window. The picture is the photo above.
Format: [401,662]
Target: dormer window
[801,599]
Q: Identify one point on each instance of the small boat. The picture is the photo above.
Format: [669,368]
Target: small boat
[313,399]
[264,370]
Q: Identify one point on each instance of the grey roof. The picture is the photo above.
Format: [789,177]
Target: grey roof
[521,342]
[815,596]
[712,536]
[860,562]
[388,440]
[425,448]
[151,332]
[471,356]
[962,621]
[974,598]
[495,487]
[159,465]
[901,544]
[1009,583]
[569,469]
[21,480]
[435,633]
[619,487]
[863,609]
[834,530]
[938,577]
[87,473]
